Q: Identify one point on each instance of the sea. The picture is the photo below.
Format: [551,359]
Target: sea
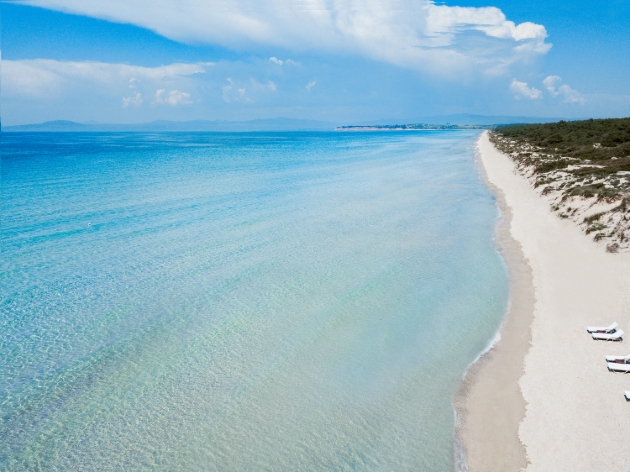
[265,301]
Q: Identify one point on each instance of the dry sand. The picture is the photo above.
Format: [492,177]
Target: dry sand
[576,418]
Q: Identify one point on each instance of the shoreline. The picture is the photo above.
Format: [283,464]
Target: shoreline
[552,405]
[491,442]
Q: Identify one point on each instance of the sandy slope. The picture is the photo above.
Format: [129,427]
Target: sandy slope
[576,417]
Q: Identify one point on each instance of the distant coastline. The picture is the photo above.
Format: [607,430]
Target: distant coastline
[271,124]
[410,127]
[459,121]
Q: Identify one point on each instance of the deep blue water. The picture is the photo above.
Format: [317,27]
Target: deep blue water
[241,302]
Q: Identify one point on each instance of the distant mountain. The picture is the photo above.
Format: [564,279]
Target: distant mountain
[59,125]
[271,124]
[461,119]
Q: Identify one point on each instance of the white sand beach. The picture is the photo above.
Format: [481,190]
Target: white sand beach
[576,417]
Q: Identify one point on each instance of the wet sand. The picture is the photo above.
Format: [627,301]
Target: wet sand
[490,404]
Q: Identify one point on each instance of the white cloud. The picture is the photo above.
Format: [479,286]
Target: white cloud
[270,86]
[444,22]
[419,35]
[136,98]
[568,94]
[289,62]
[522,90]
[550,83]
[26,79]
[233,93]
[248,92]
[42,78]
[134,83]
[173,98]
[310,85]
[226,90]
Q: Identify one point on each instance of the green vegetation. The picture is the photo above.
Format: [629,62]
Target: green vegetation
[590,139]
[589,150]
[578,161]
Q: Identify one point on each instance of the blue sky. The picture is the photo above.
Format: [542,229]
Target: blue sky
[345,61]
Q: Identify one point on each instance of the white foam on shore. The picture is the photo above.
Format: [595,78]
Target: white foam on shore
[459,456]
[488,348]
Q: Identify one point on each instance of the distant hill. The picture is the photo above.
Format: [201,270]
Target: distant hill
[271,124]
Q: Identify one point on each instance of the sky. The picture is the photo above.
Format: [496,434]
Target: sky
[343,61]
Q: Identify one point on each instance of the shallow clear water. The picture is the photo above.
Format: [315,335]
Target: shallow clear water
[231,302]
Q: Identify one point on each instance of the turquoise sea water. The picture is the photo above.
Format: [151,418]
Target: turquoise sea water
[241,302]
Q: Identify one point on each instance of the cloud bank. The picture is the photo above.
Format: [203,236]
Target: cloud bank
[419,35]
[43,78]
[46,79]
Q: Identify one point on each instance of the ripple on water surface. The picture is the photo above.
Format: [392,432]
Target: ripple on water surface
[263,301]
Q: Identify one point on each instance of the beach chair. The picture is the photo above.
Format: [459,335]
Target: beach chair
[619,359]
[614,367]
[616,336]
[627,395]
[608,329]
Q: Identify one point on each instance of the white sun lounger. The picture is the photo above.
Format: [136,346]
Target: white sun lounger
[614,367]
[627,395]
[616,336]
[607,329]
[619,359]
